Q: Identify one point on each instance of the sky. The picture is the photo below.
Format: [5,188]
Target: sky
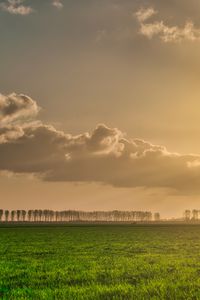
[99,105]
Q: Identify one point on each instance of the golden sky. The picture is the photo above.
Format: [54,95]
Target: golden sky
[99,104]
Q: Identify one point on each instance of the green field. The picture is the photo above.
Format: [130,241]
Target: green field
[100,262]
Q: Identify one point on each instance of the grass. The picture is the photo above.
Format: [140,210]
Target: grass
[100,262]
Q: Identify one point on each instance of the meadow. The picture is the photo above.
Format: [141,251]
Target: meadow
[100,262]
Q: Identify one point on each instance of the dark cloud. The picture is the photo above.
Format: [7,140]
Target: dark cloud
[104,155]
[15,106]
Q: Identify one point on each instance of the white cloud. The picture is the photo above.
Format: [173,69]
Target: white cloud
[16,7]
[57,3]
[165,32]
[144,14]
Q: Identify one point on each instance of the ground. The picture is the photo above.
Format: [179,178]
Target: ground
[100,262]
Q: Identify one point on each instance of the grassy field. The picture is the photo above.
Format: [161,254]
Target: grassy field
[100,262]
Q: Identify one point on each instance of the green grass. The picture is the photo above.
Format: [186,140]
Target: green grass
[100,262]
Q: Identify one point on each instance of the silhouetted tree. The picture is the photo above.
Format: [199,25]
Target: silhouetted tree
[23,214]
[13,215]
[187,215]
[157,216]
[81,216]
[18,215]
[195,213]
[45,213]
[30,215]
[7,213]
[1,214]
[40,215]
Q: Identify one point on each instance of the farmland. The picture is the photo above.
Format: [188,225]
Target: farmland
[99,262]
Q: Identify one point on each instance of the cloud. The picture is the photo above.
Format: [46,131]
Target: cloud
[105,155]
[58,4]
[16,7]
[166,33]
[13,107]
[144,14]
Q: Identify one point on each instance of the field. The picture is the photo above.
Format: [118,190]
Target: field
[100,262]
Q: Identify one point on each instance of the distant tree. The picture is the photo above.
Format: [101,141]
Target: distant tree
[148,216]
[18,215]
[45,213]
[195,214]
[23,214]
[1,214]
[7,213]
[13,215]
[30,215]
[79,216]
[40,214]
[187,215]
[57,216]
[36,215]
[52,215]
[157,216]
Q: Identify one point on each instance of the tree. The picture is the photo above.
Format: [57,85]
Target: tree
[57,214]
[7,213]
[187,215]
[195,214]
[36,215]
[30,215]
[18,215]
[80,216]
[13,215]
[157,216]
[40,214]
[23,214]
[1,214]
[45,213]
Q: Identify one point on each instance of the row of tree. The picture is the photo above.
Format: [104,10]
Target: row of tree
[47,215]
[191,215]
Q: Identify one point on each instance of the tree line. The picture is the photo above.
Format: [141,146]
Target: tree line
[191,215]
[47,215]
